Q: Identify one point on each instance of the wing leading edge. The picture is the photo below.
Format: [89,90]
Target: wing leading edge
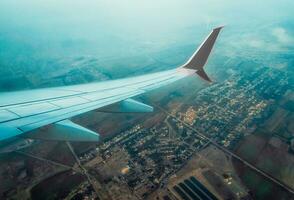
[23,112]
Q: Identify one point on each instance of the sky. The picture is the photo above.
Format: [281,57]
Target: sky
[108,28]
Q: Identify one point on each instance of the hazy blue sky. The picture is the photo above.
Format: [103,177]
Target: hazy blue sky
[104,27]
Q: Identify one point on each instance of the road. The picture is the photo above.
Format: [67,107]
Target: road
[94,183]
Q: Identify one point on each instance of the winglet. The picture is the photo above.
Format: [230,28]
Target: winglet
[200,57]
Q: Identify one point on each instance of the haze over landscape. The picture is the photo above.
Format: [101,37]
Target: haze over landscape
[247,110]
[118,36]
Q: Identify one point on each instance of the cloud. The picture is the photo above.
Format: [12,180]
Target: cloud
[256,43]
[281,35]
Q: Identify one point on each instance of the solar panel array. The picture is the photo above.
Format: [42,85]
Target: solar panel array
[192,189]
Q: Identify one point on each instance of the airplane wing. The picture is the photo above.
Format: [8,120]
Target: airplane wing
[23,112]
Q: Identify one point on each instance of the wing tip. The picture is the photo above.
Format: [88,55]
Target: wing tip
[219,27]
[198,60]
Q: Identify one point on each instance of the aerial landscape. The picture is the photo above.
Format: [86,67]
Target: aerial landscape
[232,138]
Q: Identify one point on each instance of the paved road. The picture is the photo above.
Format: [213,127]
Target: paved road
[268,176]
[95,185]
